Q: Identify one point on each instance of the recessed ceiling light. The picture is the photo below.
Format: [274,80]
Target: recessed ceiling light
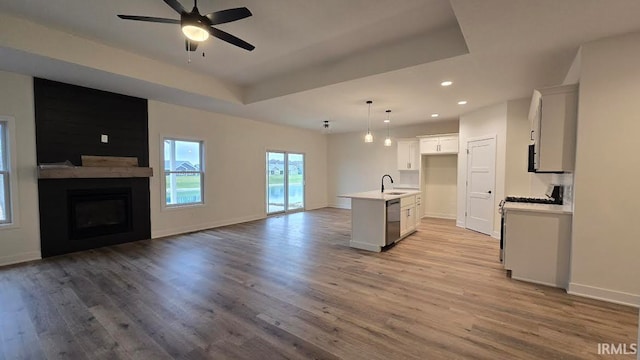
[435,115]
[462,102]
[446,83]
[387,120]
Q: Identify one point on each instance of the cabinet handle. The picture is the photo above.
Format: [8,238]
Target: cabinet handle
[408,165]
[532,135]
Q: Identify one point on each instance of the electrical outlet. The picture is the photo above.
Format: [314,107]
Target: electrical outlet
[104,138]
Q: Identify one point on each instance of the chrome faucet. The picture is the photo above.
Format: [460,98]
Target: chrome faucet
[382,181]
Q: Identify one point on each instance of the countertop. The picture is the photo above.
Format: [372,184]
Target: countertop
[545,208]
[377,195]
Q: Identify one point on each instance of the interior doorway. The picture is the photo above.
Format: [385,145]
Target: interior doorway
[481,169]
[285,173]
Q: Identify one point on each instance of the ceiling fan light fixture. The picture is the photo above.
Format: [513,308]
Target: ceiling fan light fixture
[195,32]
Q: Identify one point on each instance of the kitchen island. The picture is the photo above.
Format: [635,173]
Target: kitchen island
[380,218]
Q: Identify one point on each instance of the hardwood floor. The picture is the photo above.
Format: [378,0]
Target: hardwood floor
[290,287]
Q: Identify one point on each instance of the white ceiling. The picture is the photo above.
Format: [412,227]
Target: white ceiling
[321,60]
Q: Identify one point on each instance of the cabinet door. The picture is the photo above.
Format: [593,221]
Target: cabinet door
[556,150]
[404,161]
[403,220]
[418,209]
[449,145]
[535,111]
[414,156]
[429,145]
[411,218]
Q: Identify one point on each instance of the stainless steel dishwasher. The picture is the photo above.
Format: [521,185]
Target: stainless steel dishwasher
[393,222]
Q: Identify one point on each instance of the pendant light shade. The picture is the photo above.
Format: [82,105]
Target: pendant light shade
[368,138]
[387,141]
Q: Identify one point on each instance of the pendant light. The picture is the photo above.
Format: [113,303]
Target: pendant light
[368,138]
[387,141]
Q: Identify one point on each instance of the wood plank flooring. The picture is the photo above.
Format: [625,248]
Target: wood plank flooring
[289,287]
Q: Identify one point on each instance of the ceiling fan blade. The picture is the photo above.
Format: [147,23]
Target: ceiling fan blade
[225,36]
[190,45]
[229,15]
[175,5]
[149,19]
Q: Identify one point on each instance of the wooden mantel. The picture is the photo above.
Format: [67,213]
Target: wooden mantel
[93,172]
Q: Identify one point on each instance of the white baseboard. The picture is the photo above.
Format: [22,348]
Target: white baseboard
[440,216]
[340,206]
[460,223]
[315,206]
[496,235]
[203,226]
[18,258]
[597,293]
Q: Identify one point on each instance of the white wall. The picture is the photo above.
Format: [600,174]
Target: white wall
[488,121]
[440,185]
[355,166]
[21,242]
[605,257]
[235,166]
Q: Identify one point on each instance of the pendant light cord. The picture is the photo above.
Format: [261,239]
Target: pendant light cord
[369,117]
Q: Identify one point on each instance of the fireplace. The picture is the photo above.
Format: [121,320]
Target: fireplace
[90,209]
[82,214]
[99,212]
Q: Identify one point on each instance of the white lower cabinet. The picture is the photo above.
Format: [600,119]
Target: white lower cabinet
[418,209]
[537,246]
[408,215]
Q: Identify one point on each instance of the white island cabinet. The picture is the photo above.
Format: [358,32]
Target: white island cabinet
[369,217]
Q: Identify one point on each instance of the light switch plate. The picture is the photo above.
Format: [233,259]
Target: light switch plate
[104,138]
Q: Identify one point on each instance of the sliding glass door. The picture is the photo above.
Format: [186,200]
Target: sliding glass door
[285,182]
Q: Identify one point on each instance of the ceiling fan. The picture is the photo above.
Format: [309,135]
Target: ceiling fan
[197,27]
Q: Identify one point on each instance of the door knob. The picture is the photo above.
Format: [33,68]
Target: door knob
[489,191]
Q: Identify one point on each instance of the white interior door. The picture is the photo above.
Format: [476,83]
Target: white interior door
[481,169]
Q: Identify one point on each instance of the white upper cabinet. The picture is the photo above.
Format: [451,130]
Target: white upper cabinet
[429,145]
[553,115]
[408,155]
[439,144]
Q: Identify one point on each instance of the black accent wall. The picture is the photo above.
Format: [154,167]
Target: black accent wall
[69,123]
[70,120]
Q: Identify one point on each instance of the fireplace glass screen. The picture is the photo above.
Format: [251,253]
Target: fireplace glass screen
[99,212]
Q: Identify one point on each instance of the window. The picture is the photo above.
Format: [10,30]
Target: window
[285,193]
[5,173]
[183,172]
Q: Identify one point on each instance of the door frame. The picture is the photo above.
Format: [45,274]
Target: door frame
[286,182]
[493,137]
